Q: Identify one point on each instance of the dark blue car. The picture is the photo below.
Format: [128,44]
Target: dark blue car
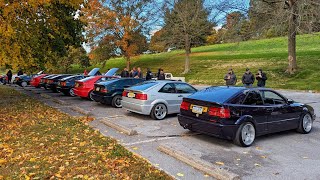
[241,114]
[110,92]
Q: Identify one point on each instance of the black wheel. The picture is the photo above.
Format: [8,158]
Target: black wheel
[90,96]
[159,111]
[71,92]
[245,135]
[116,101]
[65,93]
[24,84]
[306,123]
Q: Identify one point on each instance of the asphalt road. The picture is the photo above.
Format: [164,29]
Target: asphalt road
[286,155]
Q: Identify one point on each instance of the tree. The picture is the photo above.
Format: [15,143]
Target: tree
[157,43]
[122,21]
[186,24]
[286,16]
[35,34]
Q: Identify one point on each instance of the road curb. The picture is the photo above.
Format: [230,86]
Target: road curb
[199,164]
[80,110]
[118,127]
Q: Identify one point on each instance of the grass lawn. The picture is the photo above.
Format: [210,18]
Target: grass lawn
[39,142]
[210,63]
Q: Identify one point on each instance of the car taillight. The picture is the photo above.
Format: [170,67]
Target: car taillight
[185,106]
[142,96]
[104,90]
[124,93]
[64,84]
[219,112]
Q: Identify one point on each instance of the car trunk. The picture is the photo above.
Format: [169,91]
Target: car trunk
[137,97]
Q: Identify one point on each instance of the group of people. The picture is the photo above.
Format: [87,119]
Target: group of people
[247,79]
[137,73]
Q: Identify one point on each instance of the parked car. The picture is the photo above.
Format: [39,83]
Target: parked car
[241,114]
[22,80]
[44,80]
[169,76]
[110,92]
[52,82]
[156,98]
[84,87]
[3,79]
[67,84]
[35,81]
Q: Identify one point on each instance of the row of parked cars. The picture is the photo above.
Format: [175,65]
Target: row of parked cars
[235,113]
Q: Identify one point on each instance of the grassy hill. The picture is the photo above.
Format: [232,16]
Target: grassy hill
[210,63]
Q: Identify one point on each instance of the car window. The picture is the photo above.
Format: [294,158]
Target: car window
[271,98]
[239,99]
[253,98]
[184,88]
[168,88]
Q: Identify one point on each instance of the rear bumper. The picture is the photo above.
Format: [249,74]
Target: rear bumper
[81,92]
[35,83]
[137,108]
[102,99]
[209,128]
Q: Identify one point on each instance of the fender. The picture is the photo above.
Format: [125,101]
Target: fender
[246,118]
[116,93]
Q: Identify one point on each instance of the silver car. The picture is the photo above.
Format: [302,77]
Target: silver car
[156,98]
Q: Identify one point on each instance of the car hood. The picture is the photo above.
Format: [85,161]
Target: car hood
[112,72]
[93,72]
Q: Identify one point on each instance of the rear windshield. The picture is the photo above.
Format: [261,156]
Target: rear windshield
[215,94]
[143,86]
[88,78]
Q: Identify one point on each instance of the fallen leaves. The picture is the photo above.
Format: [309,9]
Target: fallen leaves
[220,163]
[180,174]
[38,141]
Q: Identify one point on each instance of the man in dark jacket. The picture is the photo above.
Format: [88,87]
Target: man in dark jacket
[139,73]
[230,78]
[9,76]
[161,75]
[124,73]
[248,78]
[261,78]
[20,72]
[149,74]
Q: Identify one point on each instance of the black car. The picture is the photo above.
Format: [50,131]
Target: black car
[241,114]
[52,82]
[110,92]
[66,85]
[44,80]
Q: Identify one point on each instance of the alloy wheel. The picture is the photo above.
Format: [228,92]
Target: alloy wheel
[160,111]
[71,92]
[248,134]
[307,123]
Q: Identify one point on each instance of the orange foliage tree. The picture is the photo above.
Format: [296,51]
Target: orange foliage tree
[119,24]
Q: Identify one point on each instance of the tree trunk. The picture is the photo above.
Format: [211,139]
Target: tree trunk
[188,51]
[292,32]
[128,63]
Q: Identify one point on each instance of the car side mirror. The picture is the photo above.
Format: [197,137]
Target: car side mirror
[290,101]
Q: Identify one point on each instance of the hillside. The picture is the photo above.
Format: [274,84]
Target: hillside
[210,63]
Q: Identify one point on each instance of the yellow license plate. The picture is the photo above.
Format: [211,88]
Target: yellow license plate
[97,88]
[131,95]
[198,109]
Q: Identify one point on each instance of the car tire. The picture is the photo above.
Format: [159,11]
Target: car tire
[65,93]
[245,135]
[305,124]
[24,84]
[90,96]
[159,111]
[116,101]
[71,93]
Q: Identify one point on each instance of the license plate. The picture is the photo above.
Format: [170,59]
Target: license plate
[97,88]
[76,85]
[131,95]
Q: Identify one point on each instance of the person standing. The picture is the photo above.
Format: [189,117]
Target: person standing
[248,78]
[149,74]
[85,72]
[124,73]
[20,72]
[9,76]
[161,75]
[261,78]
[139,73]
[230,78]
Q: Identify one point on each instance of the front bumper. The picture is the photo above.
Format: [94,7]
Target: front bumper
[209,128]
[102,99]
[137,108]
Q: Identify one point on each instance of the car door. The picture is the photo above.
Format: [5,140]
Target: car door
[283,116]
[253,106]
[168,93]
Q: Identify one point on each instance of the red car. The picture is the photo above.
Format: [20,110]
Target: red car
[84,87]
[35,81]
